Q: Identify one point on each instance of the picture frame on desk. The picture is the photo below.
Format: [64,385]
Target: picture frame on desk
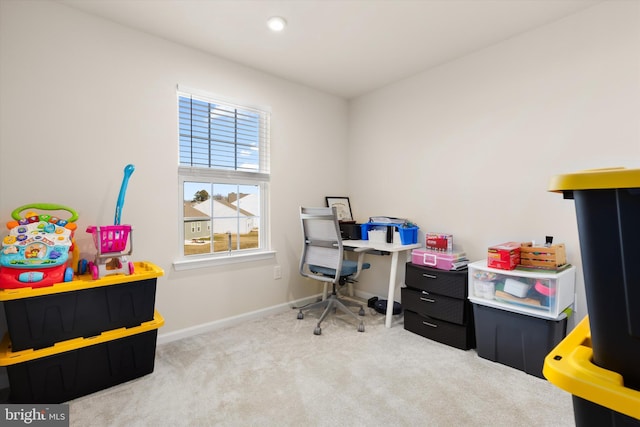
[343,208]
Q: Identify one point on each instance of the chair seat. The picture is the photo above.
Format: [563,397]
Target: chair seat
[349,267]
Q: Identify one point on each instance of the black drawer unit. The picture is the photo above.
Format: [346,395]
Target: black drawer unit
[459,336]
[436,306]
[448,283]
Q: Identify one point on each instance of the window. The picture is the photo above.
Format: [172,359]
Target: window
[224,177]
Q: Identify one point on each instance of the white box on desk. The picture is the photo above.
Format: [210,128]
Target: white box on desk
[380,236]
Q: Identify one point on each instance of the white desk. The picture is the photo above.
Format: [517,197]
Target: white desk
[395,251]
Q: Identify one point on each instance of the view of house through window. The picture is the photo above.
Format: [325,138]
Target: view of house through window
[220,217]
[224,175]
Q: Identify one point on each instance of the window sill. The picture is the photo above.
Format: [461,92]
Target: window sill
[190,264]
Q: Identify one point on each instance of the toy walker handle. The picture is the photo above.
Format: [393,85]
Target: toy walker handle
[128,170]
[45,207]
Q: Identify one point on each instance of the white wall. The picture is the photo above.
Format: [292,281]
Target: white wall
[82,97]
[469,147]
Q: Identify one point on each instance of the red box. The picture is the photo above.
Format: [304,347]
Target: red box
[439,242]
[505,256]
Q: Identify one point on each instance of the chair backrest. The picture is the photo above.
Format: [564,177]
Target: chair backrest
[322,245]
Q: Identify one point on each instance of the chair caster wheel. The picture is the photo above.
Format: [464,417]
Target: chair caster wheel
[300,316]
[361,312]
[317,330]
[361,327]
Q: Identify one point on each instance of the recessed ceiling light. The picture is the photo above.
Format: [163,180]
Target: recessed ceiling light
[276,23]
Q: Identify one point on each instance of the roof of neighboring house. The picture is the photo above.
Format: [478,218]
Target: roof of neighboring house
[191,212]
[231,205]
[200,213]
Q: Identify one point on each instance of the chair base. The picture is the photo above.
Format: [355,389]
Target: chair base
[332,303]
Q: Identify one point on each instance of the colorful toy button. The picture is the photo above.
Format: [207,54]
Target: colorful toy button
[59,230]
[31,276]
[33,219]
[49,228]
[53,220]
[45,218]
[21,237]
[22,230]
[61,222]
[11,249]
[9,240]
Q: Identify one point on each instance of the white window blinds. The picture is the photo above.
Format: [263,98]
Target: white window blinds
[222,136]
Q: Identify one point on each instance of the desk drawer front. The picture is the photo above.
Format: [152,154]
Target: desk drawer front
[449,283]
[438,330]
[434,305]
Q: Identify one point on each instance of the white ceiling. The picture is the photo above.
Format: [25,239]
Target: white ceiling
[344,47]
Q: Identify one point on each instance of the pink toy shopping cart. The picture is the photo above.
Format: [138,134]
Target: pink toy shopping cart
[112,241]
[114,244]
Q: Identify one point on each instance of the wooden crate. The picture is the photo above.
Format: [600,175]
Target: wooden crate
[548,258]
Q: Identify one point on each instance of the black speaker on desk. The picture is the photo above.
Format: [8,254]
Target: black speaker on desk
[350,231]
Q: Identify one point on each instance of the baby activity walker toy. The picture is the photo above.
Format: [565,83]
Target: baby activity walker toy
[37,251]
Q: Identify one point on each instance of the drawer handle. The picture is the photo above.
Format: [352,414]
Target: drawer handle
[427,299]
[430,276]
[429,324]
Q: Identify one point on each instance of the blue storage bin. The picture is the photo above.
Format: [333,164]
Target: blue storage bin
[408,235]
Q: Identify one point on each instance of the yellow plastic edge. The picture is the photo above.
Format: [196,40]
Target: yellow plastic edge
[569,366]
[143,270]
[7,357]
[594,179]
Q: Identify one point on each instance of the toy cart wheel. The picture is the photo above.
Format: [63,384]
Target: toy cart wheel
[82,266]
[95,272]
[317,330]
[361,312]
[68,274]
[300,315]
[132,268]
[361,327]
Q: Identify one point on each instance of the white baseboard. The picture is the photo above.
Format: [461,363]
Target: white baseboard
[366,295]
[241,318]
[231,321]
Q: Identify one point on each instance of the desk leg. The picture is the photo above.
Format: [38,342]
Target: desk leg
[392,288]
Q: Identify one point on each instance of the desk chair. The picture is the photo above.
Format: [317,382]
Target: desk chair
[323,259]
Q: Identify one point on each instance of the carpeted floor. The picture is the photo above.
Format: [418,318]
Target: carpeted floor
[275,372]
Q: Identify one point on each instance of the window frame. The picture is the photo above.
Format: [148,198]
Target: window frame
[261,178]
